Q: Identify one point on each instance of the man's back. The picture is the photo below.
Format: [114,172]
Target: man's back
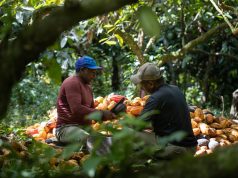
[173,114]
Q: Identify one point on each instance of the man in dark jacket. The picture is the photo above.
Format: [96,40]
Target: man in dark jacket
[171,110]
[75,102]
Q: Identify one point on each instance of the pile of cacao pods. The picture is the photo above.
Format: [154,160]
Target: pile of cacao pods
[211,131]
[44,130]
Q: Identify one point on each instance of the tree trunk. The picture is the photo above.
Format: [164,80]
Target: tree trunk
[115,75]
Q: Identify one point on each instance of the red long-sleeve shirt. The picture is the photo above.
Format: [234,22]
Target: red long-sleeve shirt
[75,101]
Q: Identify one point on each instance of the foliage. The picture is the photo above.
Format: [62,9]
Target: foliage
[25,109]
[196,70]
[98,37]
[119,44]
[41,160]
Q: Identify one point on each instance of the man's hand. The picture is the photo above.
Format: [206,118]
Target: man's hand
[108,115]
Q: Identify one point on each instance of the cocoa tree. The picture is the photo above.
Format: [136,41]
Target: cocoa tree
[35,38]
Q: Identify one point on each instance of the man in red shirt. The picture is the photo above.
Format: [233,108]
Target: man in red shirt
[75,102]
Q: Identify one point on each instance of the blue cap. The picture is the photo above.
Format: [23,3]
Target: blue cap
[86,62]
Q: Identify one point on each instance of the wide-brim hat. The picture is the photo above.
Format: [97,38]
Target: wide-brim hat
[147,71]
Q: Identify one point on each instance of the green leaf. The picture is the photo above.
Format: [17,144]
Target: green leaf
[19,17]
[63,42]
[176,136]
[109,31]
[49,152]
[28,8]
[54,71]
[69,150]
[102,40]
[119,21]
[97,116]
[2,2]
[49,2]
[110,42]
[185,61]
[134,123]
[148,21]
[108,26]
[120,39]
[90,165]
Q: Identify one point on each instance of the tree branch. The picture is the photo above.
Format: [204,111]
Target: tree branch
[132,44]
[233,29]
[214,54]
[190,45]
[149,44]
[223,6]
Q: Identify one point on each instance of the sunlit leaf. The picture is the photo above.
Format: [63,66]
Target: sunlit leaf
[102,40]
[59,2]
[64,64]
[110,42]
[63,42]
[19,17]
[120,39]
[54,2]
[2,2]
[28,8]
[119,21]
[109,31]
[108,26]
